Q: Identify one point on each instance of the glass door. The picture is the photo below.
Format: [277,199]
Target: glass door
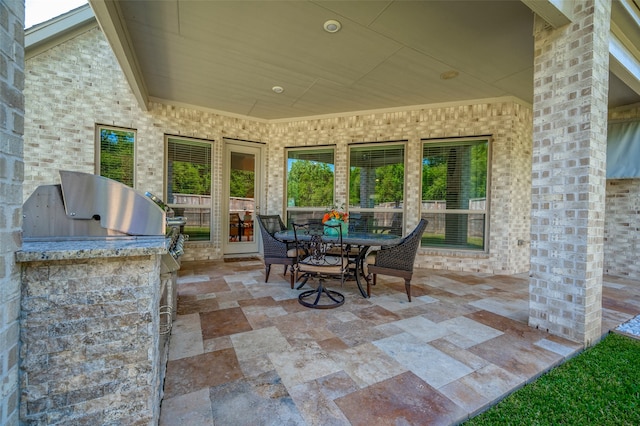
[244,186]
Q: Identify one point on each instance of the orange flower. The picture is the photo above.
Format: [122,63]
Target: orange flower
[335,214]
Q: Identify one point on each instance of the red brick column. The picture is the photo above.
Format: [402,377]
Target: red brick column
[568,173]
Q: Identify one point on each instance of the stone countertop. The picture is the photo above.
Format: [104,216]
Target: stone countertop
[34,251]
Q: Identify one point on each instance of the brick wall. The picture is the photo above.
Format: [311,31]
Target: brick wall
[569,172]
[11,175]
[622,228]
[622,218]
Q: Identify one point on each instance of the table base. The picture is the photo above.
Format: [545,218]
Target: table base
[321,298]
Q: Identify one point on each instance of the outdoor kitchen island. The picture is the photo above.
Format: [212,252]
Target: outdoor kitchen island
[92,344]
[99,271]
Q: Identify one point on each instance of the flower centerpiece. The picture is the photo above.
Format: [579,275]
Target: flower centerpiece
[336,216]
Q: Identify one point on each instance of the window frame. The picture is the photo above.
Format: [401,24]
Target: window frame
[98,150]
[385,211]
[315,212]
[487,209]
[165,190]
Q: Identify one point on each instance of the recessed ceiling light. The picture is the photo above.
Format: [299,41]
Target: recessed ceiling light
[448,75]
[278,89]
[332,26]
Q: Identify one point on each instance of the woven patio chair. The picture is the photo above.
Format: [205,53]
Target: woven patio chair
[396,260]
[276,251]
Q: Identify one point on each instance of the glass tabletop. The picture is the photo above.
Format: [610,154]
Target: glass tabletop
[354,238]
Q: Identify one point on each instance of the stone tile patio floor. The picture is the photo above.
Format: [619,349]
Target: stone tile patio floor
[245,352]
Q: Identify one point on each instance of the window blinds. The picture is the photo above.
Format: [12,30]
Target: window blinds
[188,167]
[323,155]
[623,150]
[372,157]
[189,151]
[376,176]
[456,172]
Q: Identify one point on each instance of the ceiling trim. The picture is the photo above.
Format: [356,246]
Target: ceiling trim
[556,13]
[115,30]
[624,64]
[205,109]
[466,102]
[624,55]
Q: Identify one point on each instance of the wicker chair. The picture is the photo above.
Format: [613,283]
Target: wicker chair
[397,260]
[275,250]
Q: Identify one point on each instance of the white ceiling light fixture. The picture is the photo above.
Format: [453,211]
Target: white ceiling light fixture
[332,26]
[277,89]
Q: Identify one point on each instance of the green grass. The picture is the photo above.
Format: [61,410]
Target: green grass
[197,233]
[437,241]
[600,386]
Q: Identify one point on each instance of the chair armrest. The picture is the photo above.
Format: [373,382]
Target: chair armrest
[400,257]
[273,246]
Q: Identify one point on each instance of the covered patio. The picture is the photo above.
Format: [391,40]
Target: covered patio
[535,82]
[246,352]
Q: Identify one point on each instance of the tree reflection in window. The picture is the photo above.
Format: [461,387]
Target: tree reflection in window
[454,193]
[310,183]
[188,184]
[117,154]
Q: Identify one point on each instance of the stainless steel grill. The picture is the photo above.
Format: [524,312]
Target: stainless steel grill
[87,206]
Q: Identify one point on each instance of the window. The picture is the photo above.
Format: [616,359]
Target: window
[189,184]
[376,188]
[623,150]
[454,193]
[310,181]
[116,154]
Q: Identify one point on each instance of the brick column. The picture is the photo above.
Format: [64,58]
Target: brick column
[568,179]
[11,177]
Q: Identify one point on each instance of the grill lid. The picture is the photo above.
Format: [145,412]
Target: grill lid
[90,205]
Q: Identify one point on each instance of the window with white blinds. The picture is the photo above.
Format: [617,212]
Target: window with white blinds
[376,187]
[454,193]
[623,150]
[188,185]
[116,154]
[310,182]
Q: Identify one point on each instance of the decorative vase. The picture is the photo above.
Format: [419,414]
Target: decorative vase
[332,232]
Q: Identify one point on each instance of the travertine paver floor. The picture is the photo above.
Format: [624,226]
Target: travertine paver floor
[245,352]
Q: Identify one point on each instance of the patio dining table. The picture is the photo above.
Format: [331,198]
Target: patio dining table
[362,240]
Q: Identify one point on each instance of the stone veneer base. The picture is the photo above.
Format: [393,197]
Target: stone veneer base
[90,332]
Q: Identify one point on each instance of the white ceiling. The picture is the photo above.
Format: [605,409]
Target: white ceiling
[227,55]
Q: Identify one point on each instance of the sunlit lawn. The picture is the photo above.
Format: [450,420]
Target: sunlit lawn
[601,386]
[197,233]
[438,241]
